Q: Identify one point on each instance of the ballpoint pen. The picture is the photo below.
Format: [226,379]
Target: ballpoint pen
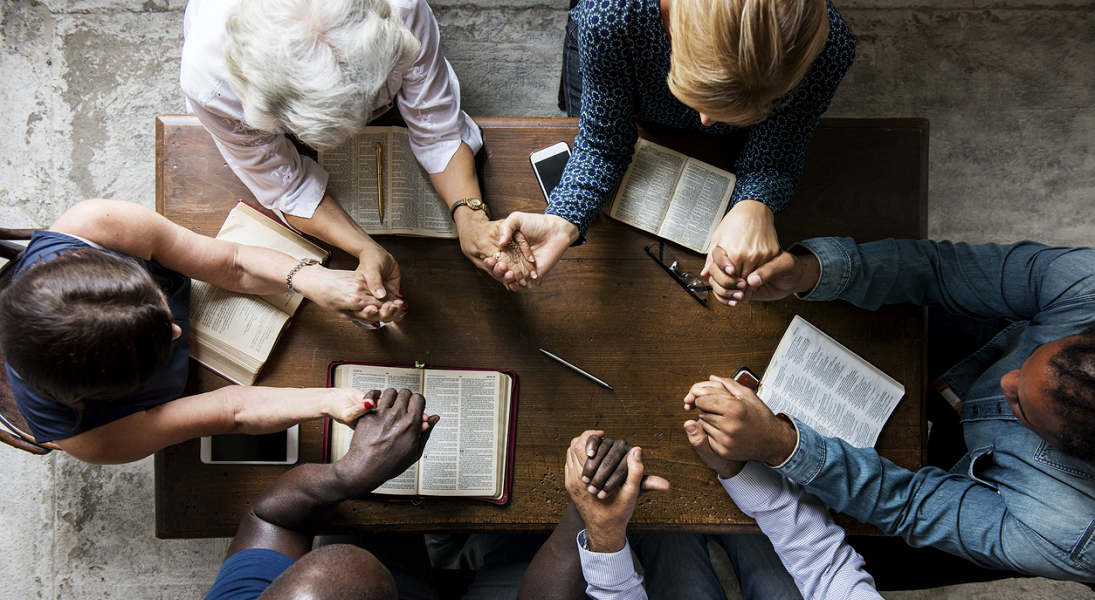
[577,370]
[380,180]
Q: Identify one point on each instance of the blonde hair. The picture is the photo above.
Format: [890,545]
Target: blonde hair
[732,59]
[314,67]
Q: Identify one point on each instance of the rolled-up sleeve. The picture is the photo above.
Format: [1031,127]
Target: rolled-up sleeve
[429,98]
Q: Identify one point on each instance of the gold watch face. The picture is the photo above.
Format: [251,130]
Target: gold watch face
[474,203]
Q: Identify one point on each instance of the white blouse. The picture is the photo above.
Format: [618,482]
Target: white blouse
[427,94]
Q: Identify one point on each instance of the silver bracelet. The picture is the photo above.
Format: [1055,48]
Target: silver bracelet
[304,262]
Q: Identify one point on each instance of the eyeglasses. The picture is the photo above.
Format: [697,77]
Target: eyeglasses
[668,261]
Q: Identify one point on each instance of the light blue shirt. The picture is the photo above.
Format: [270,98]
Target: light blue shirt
[1014,501]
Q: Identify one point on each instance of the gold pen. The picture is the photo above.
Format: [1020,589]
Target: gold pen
[380,180]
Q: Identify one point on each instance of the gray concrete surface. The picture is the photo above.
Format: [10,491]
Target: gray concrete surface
[1009,86]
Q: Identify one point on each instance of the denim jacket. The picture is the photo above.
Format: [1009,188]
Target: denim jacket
[1014,501]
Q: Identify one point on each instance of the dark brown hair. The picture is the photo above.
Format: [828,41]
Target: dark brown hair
[86,324]
[1073,393]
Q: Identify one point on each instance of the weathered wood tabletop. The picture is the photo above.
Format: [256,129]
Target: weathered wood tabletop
[606,307]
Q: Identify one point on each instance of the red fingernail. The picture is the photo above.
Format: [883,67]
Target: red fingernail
[400,294]
[368,404]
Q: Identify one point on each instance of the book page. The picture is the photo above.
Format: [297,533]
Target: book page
[247,226]
[815,379]
[647,186]
[415,206]
[244,322]
[372,377]
[698,205]
[461,458]
[351,179]
[411,206]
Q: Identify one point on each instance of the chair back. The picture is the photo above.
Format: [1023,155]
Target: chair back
[13,427]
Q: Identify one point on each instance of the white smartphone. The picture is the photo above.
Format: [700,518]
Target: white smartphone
[548,164]
[279,448]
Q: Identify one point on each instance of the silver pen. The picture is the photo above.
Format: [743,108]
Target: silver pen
[577,370]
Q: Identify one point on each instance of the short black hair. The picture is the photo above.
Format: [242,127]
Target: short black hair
[87,324]
[1073,394]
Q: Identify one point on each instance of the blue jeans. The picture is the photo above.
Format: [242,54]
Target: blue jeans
[1014,501]
[676,565]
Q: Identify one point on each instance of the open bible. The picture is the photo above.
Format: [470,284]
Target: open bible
[672,196]
[411,206]
[233,334]
[470,451]
[815,379]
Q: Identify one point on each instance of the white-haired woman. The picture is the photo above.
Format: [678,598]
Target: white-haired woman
[254,70]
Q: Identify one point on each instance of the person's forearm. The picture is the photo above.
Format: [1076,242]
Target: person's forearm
[258,410]
[331,224]
[458,180]
[555,573]
[808,542]
[287,514]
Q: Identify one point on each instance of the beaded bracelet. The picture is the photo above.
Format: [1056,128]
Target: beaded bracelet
[304,262]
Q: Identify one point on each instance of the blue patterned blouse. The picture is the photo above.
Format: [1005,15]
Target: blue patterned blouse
[624,53]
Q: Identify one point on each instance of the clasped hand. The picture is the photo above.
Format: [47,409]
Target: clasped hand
[386,441]
[737,424]
[545,239]
[594,468]
[744,240]
[479,241]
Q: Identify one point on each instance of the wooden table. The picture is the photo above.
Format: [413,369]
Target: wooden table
[606,307]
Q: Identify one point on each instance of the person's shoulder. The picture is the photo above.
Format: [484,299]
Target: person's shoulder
[839,51]
[202,70]
[246,574]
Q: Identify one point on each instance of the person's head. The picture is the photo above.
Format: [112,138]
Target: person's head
[1053,394]
[335,572]
[86,325]
[732,59]
[314,67]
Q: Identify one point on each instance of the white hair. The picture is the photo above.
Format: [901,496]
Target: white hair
[314,67]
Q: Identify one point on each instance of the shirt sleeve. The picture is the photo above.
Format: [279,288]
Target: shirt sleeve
[268,164]
[245,575]
[1018,281]
[808,542]
[606,128]
[952,512]
[610,575]
[771,161]
[429,98]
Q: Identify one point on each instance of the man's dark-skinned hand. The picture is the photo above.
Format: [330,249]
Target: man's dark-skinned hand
[386,441]
[739,426]
[605,467]
[606,519]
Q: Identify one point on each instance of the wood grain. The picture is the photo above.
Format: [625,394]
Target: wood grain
[606,307]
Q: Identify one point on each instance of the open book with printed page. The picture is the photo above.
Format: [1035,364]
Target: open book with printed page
[469,455]
[411,205]
[815,379]
[233,334]
[672,196]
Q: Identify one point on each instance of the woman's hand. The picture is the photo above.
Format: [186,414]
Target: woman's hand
[479,242]
[349,293]
[347,405]
[744,240]
[548,237]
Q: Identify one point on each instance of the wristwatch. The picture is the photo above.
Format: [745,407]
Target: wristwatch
[472,203]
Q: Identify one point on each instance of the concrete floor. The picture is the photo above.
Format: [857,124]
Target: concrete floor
[1009,86]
